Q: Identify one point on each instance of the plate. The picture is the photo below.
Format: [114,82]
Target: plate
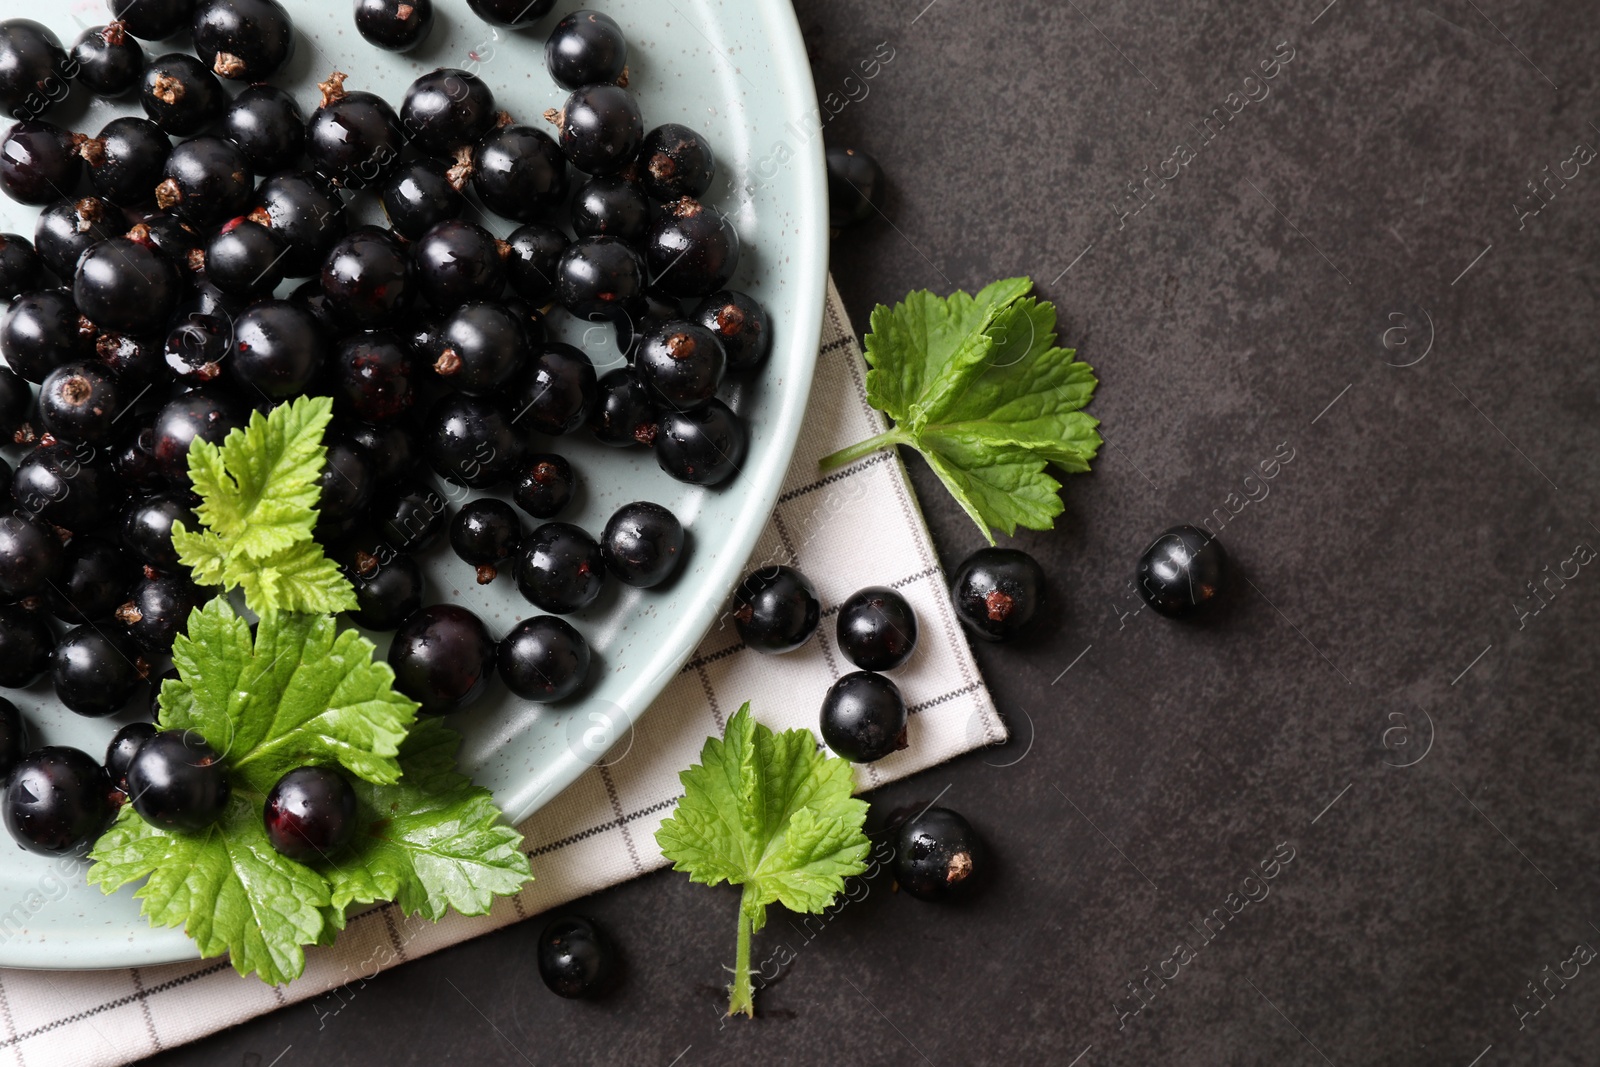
[735,70]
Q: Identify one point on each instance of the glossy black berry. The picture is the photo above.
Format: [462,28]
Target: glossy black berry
[69,228]
[543,659]
[355,137]
[576,959]
[39,162]
[57,801]
[586,48]
[306,213]
[152,20]
[855,186]
[41,330]
[455,262]
[519,173]
[674,162]
[1182,571]
[94,582]
[600,128]
[938,856]
[447,108]
[442,658]
[557,392]
[642,544]
[601,278]
[387,594]
[134,361]
[120,753]
[625,411]
[80,402]
[107,60]
[30,557]
[419,195]
[390,447]
[33,68]
[609,205]
[124,285]
[741,324]
[996,591]
[560,568]
[206,181]
[410,516]
[26,642]
[864,717]
[876,630]
[146,529]
[485,533]
[66,485]
[180,243]
[532,260]
[268,126]
[13,738]
[657,309]
[682,363]
[244,258]
[133,458]
[470,440]
[180,94]
[691,249]
[544,485]
[20,266]
[366,279]
[176,781]
[196,347]
[775,610]
[158,608]
[278,349]
[204,414]
[705,446]
[95,670]
[126,160]
[511,12]
[394,25]
[310,814]
[245,40]
[349,480]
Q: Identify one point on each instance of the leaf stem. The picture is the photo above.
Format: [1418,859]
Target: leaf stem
[742,998]
[888,439]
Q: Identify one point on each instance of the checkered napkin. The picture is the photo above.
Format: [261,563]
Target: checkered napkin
[856,527]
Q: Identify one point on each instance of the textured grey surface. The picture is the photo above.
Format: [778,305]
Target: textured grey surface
[1377,619]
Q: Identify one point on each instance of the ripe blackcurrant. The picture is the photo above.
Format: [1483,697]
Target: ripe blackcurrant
[775,610]
[560,568]
[119,754]
[558,391]
[410,515]
[531,264]
[80,402]
[485,533]
[147,528]
[601,278]
[69,228]
[310,814]
[996,591]
[741,324]
[26,642]
[106,60]
[1182,571]
[245,258]
[682,363]
[20,265]
[30,557]
[354,138]
[511,12]
[419,195]
[937,856]
[278,349]
[41,330]
[864,717]
[447,108]
[609,205]
[395,25]
[268,126]
[543,659]
[576,959]
[126,160]
[625,411]
[388,594]
[57,801]
[675,162]
[157,608]
[469,440]
[205,414]
[39,162]
[705,446]
[13,738]
[518,172]
[95,670]
[691,249]
[876,630]
[206,180]
[94,580]
[855,186]
[33,68]
[442,658]
[305,212]
[176,781]
[642,544]
[366,278]
[248,40]
[456,261]
[544,486]
[152,20]
[125,285]
[586,48]
[179,94]
[600,128]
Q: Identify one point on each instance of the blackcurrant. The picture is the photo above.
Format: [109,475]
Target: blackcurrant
[511,12]
[197,346]
[106,60]
[938,856]
[306,213]
[31,557]
[95,580]
[20,266]
[560,568]
[268,126]
[586,48]
[41,330]
[388,594]
[855,186]
[682,363]
[447,108]
[705,446]
[1182,571]
[543,659]
[395,25]
[123,285]
[176,781]
[244,258]
[543,487]
[26,642]
[39,162]
[373,376]
[674,162]
[470,440]
[366,278]
[600,128]
[179,94]
[419,195]
[410,515]
[456,261]
[485,533]
[147,528]
[576,959]
[248,40]
[390,447]
[996,591]
[601,278]
[864,717]
[126,160]
[531,263]
[66,485]
[310,814]
[69,228]
[557,392]
[278,349]
[175,239]
[354,138]
[775,610]
[152,20]
[642,544]
[13,738]
[349,480]
[658,309]
[442,658]
[158,608]
[33,68]
[80,402]
[134,361]
[741,324]
[609,205]
[57,801]
[691,249]
[206,180]
[95,670]
[120,753]
[876,629]
[201,414]
[133,458]
[518,172]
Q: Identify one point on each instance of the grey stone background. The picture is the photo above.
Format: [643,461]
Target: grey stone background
[1350,269]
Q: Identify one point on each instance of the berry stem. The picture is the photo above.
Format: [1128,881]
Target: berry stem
[887,439]
[741,999]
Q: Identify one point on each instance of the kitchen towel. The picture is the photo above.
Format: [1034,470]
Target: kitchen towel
[852,528]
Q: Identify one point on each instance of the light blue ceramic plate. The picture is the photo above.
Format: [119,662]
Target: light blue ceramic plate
[734,69]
